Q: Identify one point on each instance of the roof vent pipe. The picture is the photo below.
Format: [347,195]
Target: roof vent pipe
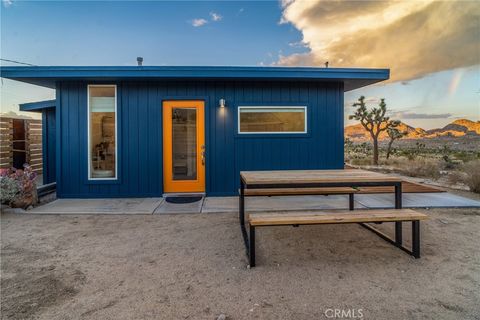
[139,61]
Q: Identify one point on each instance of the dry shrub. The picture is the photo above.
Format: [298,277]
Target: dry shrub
[361,161]
[456,177]
[472,176]
[393,161]
[427,168]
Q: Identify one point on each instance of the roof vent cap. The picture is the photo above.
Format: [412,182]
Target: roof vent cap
[139,61]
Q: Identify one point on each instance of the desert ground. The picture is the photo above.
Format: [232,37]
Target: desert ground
[193,266]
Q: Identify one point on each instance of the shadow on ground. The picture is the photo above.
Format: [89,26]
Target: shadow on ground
[193,267]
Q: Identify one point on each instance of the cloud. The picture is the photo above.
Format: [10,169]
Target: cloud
[215,16]
[7,3]
[413,115]
[369,101]
[298,44]
[198,22]
[412,38]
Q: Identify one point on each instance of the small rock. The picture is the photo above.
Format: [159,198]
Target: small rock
[266,304]
[222,317]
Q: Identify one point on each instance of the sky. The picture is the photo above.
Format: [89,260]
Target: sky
[432,48]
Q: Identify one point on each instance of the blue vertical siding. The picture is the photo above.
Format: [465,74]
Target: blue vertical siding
[48,145]
[139,106]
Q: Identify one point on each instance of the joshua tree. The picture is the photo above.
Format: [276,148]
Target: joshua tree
[394,134]
[374,121]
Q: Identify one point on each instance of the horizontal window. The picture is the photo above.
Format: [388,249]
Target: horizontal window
[272,119]
[102,132]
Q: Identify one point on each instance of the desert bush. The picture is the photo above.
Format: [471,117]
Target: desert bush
[472,175]
[427,168]
[456,177]
[9,188]
[18,188]
[393,161]
[466,156]
[361,161]
[413,153]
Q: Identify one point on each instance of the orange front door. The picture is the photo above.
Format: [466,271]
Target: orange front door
[183,146]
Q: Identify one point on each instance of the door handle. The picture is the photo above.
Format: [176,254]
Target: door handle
[203,154]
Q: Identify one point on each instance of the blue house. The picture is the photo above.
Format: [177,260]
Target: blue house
[146,131]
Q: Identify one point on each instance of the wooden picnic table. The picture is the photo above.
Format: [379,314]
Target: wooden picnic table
[307,179]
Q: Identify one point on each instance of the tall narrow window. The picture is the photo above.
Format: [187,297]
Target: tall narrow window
[102,132]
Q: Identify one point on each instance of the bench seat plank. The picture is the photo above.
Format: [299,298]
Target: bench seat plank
[357,216]
[251,178]
[298,191]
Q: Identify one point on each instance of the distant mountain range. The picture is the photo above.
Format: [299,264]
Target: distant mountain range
[457,128]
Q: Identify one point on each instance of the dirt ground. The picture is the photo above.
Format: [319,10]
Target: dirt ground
[194,267]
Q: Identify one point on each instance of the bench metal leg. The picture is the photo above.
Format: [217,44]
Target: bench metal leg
[351,203]
[241,214]
[416,239]
[251,253]
[398,233]
[415,251]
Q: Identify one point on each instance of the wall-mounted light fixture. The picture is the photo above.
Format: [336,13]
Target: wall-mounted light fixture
[222,103]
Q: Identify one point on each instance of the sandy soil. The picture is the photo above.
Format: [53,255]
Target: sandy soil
[193,267]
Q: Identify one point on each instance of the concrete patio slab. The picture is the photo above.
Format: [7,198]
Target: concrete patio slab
[290,203]
[179,208]
[99,206]
[253,204]
[417,200]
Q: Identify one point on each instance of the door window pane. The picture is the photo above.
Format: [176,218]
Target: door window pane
[184,144]
[272,120]
[102,132]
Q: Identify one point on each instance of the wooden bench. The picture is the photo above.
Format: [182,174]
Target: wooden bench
[339,217]
[303,191]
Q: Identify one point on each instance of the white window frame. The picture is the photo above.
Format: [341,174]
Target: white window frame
[88,134]
[273,107]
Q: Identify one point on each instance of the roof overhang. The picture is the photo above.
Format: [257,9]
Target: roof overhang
[37,106]
[47,76]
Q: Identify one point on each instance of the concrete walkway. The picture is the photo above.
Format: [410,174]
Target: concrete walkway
[258,204]
[99,206]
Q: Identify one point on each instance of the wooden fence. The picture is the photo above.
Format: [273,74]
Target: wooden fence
[21,138]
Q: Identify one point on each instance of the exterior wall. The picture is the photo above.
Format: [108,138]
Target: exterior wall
[49,149]
[140,134]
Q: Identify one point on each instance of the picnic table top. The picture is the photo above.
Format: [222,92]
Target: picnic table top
[314,176]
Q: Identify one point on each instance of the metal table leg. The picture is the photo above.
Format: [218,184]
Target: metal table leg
[398,205]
